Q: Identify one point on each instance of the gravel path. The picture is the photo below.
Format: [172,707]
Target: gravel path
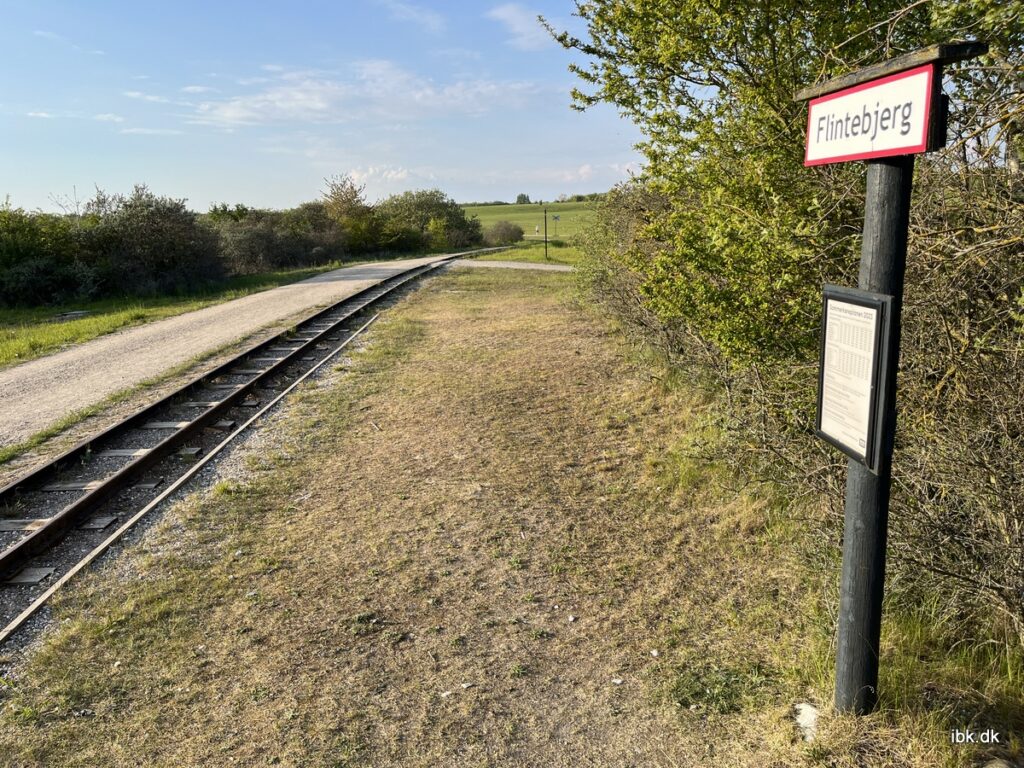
[38,393]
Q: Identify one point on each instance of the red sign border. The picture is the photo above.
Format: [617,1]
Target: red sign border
[915,150]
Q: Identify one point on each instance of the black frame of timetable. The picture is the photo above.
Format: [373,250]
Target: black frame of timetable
[882,304]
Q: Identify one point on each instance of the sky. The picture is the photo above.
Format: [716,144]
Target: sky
[258,102]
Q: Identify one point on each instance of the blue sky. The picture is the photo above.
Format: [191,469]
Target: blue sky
[257,102]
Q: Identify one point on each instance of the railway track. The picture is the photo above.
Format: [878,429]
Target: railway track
[60,517]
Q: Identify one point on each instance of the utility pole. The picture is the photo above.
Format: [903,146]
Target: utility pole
[545,233]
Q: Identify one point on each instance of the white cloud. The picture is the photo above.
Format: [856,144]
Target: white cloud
[379,173]
[425,18]
[46,115]
[522,24]
[151,131]
[374,88]
[198,89]
[272,68]
[395,91]
[307,99]
[108,117]
[144,96]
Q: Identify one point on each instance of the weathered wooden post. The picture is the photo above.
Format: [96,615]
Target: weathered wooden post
[545,233]
[884,114]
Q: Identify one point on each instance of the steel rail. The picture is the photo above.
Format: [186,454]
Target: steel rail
[103,546]
[18,554]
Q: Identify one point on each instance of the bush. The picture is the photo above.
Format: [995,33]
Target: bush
[726,244]
[248,246]
[39,259]
[43,280]
[259,240]
[146,245]
[503,233]
[426,219]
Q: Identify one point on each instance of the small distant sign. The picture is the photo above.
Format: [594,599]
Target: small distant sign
[883,117]
[851,360]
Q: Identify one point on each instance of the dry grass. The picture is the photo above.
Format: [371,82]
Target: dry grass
[393,583]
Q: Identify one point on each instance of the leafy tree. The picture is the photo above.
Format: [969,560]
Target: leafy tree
[224,212]
[752,233]
[344,203]
[522,198]
[727,263]
[429,216]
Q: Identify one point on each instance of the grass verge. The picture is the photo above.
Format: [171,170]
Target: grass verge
[534,253]
[485,542]
[26,334]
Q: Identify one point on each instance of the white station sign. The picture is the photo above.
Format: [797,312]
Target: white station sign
[888,116]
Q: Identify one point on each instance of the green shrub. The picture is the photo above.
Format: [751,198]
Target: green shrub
[260,240]
[720,252]
[143,244]
[426,219]
[40,259]
[503,233]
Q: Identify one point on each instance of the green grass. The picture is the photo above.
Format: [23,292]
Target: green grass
[573,217]
[534,253]
[30,333]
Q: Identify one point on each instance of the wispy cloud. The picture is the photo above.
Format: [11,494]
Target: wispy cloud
[108,117]
[198,89]
[151,131]
[56,38]
[140,96]
[379,173]
[304,98]
[527,32]
[45,115]
[429,20]
[372,88]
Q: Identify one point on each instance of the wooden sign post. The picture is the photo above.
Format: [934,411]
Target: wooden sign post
[884,114]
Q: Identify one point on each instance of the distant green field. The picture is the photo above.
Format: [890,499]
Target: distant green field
[534,252]
[572,217]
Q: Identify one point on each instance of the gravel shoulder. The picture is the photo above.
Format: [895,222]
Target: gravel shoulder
[40,392]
